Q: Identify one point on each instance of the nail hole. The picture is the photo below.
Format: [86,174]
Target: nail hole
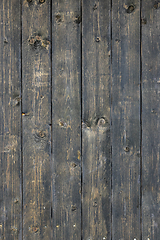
[95,6]
[97,39]
[35,229]
[78,19]
[153,111]
[31,41]
[58,18]
[16,200]
[62,124]
[117,40]
[5,40]
[138,154]
[95,204]
[126,149]
[74,165]
[14,229]
[74,208]
[144,21]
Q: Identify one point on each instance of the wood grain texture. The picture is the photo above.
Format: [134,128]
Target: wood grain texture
[36,117]
[10,121]
[96,207]
[126,119]
[66,120]
[150,120]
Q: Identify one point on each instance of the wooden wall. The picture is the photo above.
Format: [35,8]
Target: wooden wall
[79,120]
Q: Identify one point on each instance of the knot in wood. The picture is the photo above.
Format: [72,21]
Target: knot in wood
[101,122]
[41,134]
[156,5]
[130,9]
[35,229]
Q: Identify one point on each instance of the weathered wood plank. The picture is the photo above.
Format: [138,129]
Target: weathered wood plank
[96,207]
[150,120]
[66,123]
[126,119]
[10,120]
[36,117]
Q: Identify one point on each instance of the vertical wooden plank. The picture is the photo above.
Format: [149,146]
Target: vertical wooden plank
[96,207]
[126,119]
[10,120]
[150,120]
[36,117]
[66,123]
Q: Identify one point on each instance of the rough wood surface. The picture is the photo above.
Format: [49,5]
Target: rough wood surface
[79,87]
[126,119]
[66,119]
[10,121]
[96,204]
[150,120]
[36,119]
